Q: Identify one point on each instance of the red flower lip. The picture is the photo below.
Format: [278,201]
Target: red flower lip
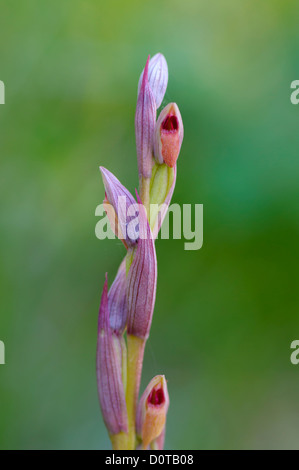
[170,123]
[156,397]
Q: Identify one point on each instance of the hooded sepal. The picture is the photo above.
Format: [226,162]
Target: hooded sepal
[117,300]
[118,204]
[109,372]
[145,119]
[142,280]
[157,77]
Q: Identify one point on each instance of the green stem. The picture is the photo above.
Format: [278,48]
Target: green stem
[119,441]
[135,358]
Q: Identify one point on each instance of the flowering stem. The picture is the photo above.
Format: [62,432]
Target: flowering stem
[119,441]
[129,305]
[135,347]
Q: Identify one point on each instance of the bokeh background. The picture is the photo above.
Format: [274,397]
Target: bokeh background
[225,315]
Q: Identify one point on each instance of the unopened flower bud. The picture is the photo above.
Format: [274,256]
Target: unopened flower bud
[168,135]
[145,119]
[157,77]
[117,300]
[142,280]
[151,412]
[117,204]
[109,372]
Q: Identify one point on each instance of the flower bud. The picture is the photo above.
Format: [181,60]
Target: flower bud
[109,372]
[145,119]
[117,301]
[157,77]
[142,280]
[117,204]
[151,412]
[168,135]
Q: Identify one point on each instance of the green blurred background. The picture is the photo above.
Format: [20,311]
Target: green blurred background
[225,315]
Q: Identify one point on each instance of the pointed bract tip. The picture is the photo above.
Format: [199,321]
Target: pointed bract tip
[105,173]
[147,64]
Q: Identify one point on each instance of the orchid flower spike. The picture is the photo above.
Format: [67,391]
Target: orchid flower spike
[126,312]
[151,412]
[168,135]
[109,372]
